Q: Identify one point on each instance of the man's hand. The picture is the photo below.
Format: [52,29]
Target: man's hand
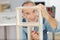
[46,15]
[34,35]
[43,10]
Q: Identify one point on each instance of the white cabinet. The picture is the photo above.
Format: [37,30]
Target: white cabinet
[7,18]
[8,25]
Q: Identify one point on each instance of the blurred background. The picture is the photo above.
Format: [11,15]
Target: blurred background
[8,17]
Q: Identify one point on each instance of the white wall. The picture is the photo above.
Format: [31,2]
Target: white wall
[3,1]
[16,3]
[57,4]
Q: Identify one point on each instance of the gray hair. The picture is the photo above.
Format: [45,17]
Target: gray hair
[28,2]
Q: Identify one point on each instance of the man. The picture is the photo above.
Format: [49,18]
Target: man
[50,23]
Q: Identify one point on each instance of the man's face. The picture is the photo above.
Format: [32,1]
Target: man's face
[30,14]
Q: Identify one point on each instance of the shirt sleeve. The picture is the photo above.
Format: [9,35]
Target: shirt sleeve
[58,27]
[48,27]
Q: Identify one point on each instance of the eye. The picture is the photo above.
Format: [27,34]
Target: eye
[34,11]
[27,13]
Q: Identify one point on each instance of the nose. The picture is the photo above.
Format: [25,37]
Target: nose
[32,16]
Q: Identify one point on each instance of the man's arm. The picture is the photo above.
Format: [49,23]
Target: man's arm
[52,22]
[46,15]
